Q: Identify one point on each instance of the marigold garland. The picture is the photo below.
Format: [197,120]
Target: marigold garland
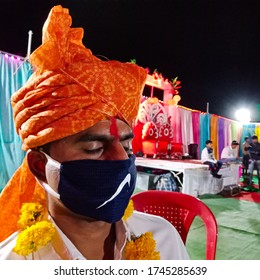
[34,237]
[31,213]
[129,210]
[142,248]
[35,232]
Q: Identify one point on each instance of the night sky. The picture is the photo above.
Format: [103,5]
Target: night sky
[212,46]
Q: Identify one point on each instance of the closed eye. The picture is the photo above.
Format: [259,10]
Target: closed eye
[93,151]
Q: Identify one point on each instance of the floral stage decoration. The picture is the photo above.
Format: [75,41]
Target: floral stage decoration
[174,83]
[153,129]
[170,87]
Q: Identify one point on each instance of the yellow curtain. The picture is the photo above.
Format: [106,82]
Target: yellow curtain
[257,131]
[214,134]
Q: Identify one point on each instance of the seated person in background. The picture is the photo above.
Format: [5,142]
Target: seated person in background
[246,156]
[70,199]
[254,162]
[207,157]
[230,153]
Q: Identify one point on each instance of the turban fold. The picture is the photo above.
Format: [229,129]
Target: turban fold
[69,91]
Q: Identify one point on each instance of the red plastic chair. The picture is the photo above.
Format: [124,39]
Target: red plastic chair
[180,210]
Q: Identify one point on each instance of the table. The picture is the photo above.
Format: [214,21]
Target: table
[196,177]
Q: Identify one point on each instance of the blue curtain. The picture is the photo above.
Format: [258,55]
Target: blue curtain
[248,130]
[204,130]
[14,72]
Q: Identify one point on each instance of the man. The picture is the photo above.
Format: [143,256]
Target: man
[207,157]
[246,156]
[254,159]
[230,153]
[75,117]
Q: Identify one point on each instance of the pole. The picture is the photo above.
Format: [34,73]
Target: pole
[207,107]
[29,43]
[151,95]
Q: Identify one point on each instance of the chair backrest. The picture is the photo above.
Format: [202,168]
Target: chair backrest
[180,210]
[193,150]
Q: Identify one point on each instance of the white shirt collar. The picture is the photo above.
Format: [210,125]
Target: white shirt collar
[122,234]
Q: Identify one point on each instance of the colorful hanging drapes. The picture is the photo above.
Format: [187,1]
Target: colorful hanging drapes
[187,130]
[196,128]
[191,126]
[14,72]
[204,130]
[214,133]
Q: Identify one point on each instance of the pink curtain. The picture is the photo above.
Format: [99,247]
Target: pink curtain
[227,132]
[196,128]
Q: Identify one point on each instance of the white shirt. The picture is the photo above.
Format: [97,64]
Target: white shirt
[168,241]
[228,152]
[206,156]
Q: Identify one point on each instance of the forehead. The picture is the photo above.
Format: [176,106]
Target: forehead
[104,128]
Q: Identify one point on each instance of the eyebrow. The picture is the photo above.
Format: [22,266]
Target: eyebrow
[104,138]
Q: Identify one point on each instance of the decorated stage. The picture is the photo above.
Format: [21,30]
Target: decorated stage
[194,177]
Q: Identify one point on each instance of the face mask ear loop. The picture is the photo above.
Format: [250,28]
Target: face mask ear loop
[46,187]
[54,162]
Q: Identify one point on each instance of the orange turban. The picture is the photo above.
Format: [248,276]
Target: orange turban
[69,91]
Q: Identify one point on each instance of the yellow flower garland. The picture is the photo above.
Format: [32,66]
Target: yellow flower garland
[30,214]
[37,233]
[129,210]
[34,237]
[141,247]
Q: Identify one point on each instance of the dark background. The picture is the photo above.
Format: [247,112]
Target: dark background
[212,46]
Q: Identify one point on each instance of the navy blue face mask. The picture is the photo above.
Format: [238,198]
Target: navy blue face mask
[99,189]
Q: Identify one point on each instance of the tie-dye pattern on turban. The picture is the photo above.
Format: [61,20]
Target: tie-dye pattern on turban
[72,89]
[69,91]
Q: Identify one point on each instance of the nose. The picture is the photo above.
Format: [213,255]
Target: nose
[116,151]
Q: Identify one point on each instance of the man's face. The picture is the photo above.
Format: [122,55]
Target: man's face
[255,140]
[96,142]
[209,145]
[233,146]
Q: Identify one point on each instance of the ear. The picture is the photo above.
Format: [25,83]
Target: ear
[37,161]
